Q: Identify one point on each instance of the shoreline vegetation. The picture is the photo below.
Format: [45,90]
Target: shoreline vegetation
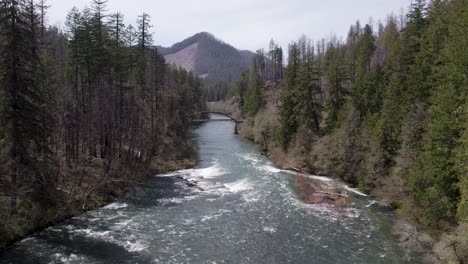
[384,110]
[113,189]
[412,236]
[86,113]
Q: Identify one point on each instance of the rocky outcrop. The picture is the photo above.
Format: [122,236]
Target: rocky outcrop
[315,191]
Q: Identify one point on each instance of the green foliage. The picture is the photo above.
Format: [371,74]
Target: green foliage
[307,93]
[300,97]
[461,166]
[367,87]
[435,181]
[287,119]
[336,72]
[216,92]
[254,98]
[82,112]
[241,87]
[393,107]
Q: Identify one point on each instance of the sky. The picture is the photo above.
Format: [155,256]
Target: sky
[245,24]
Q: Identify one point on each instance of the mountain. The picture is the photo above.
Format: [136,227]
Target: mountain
[208,57]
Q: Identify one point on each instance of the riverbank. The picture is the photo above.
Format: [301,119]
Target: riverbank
[437,249]
[94,191]
[233,207]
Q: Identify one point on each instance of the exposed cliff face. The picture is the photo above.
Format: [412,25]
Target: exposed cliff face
[185,58]
[208,57]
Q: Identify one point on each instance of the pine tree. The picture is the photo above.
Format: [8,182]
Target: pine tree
[288,121]
[25,117]
[364,87]
[145,40]
[461,164]
[307,107]
[335,78]
[254,97]
[435,181]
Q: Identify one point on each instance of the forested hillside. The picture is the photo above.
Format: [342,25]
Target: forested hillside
[84,112]
[385,110]
[209,57]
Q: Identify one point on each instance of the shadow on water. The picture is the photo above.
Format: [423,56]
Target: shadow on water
[69,244]
[155,190]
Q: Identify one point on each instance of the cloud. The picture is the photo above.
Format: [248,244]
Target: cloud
[246,24]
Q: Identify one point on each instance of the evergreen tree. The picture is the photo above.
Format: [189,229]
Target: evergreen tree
[461,165]
[25,118]
[254,97]
[288,121]
[364,87]
[335,78]
[435,180]
[306,92]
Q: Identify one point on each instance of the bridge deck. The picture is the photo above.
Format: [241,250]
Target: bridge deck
[212,120]
[215,120]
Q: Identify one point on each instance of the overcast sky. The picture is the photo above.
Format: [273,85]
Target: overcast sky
[245,24]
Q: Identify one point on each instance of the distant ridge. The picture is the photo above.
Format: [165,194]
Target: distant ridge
[208,57]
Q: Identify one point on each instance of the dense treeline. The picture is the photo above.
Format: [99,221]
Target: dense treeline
[386,110]
[83,112]
[215,92]
[266,66]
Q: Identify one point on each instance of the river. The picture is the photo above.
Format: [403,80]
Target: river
[244,210]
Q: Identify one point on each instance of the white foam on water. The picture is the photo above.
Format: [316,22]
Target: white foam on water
[71,259]
[105,235]
[32,238]
[320,178]
[124,223]
[116,205]
[249,158]
[239,186]
[214,215]
[269,229]
[251,197]
[178,200]
[270,168]
[135,246]
[210,172]
[170,174]
[175,200]
[121,225]
[191,197]
[353,190]
[210,188]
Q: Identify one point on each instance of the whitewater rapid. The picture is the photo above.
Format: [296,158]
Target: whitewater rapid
[234,207]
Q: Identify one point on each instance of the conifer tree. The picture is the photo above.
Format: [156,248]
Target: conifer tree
[254,97]
[25,125]
[288,121]
[335,78]
[307,90]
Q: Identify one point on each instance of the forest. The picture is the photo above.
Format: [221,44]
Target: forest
[214,60]
[384,109]
[85,112]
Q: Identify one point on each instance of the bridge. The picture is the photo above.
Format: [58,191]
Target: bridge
[204,117]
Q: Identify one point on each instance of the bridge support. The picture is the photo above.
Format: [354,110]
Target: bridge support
[236,129]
